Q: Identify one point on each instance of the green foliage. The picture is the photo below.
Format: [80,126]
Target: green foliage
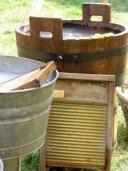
[119,5]
[31,162]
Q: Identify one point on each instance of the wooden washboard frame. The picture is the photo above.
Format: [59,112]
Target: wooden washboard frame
[81,125]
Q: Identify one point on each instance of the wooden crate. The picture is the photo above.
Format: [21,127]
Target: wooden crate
[81,125]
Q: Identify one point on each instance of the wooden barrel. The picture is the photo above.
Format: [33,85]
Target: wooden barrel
[79,46]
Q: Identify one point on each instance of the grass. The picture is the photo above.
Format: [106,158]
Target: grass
[31,162]
[13,13]
[16,12]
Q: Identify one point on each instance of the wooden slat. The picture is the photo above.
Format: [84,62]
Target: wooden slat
[29,80]
[58,94]
[42,158]
[12,164]
[92,77]
[110,125]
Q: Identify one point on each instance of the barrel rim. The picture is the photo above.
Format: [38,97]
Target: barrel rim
[20,28]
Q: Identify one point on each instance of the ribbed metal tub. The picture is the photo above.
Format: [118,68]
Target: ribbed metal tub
[23,113]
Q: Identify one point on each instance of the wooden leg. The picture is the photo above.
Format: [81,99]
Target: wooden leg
[42,159]
[12,164]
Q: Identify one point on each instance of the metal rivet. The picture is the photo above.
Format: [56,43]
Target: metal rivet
[60,57]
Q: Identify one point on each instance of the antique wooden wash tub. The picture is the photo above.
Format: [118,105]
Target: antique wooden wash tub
[77,46]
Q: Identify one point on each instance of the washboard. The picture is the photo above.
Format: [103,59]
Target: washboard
[81,125]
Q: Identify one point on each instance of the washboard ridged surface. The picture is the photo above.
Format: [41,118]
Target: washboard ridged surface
[81,131]
[77,134]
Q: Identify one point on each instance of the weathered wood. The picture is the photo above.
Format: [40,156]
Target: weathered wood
[82,89]
[42,151]
[12,164]
[67,121]
[110,125]
[52,26]
[39,78]
[58,94]
[74,44]
[92,77]
[70,45]
[103,10]
[29,80]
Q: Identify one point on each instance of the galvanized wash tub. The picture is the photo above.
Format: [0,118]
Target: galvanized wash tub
[23,113]
[75,45]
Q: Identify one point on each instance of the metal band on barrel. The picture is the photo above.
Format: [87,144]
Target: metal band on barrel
[74,57]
